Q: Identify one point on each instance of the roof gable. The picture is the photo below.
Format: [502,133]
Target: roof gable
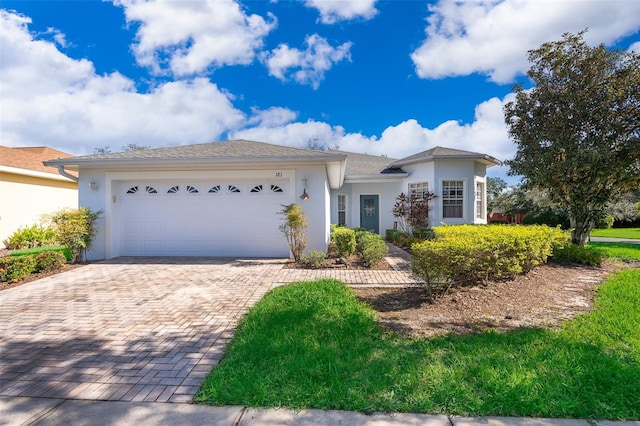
[30,158]
[440,152]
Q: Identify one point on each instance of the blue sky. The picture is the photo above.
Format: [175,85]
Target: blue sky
[378,77]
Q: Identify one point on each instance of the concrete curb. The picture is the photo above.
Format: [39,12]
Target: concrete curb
[21,411]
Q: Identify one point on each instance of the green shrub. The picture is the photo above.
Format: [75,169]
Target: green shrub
[392,235]
[14,269]
[36,250]
[345,241]
[584,255]
[76,230]
[49,261]
[548,218]
[32,236]
[424,233]
[315,259]
[605,222]
[471,253]
[371,247]
[294,229]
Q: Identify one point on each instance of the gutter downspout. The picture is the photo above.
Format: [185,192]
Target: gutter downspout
[64,173]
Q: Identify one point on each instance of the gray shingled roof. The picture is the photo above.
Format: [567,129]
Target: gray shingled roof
[219,151]
[439,152]
[364,164]
[249,151]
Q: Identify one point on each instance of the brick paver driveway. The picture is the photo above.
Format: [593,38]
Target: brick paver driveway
[129,330]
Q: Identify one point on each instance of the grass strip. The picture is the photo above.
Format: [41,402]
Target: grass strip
[315,345]
[632,233]
[621,251]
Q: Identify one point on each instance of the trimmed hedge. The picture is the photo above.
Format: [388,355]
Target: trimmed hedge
[472,253]
[371,246]
[14,269]
[20,264]
[344,240]
[60,249]
[49,261]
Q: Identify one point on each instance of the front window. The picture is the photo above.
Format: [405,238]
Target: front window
[452,198]
[342,209]
[480,200]
[420,189]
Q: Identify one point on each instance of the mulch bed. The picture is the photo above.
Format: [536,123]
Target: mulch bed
[544,297]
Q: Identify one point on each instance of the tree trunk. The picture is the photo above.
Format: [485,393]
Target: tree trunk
[580,232]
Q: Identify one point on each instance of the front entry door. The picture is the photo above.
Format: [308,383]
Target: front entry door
[369,213]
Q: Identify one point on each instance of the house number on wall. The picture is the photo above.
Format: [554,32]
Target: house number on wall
[278,174]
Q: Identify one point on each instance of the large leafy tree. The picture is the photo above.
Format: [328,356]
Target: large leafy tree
[578,129]
[495,187]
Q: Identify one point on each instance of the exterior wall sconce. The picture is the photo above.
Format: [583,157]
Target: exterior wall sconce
[304,195]
[93,185]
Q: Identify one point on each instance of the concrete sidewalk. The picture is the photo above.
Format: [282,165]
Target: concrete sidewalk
[43,411]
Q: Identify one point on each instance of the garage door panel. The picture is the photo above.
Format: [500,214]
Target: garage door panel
[182,223]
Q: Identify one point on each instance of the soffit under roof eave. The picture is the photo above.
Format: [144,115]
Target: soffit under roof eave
[335,174]
[33,173]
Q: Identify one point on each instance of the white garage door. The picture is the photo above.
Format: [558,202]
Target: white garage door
[214,218]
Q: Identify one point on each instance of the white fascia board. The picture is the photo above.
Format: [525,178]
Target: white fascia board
[74,164]
[33,173]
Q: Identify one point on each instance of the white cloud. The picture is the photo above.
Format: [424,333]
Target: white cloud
[310,64]
[332,11]
[194,35]
[272,117]
[635,47]
[76,110]
[487,134]
[492,37]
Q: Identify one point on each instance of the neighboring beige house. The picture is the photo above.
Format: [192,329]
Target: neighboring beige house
[29,189]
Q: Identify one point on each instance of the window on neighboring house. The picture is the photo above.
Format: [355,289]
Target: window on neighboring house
[452,198]
[419,188]
[480,213]
[342,209]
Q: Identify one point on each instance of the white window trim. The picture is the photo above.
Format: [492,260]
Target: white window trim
[346,209]
[417,183]
[483,198]
[465,198]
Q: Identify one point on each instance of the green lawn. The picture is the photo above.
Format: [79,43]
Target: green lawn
[633,233]
[622,251]
[314,345]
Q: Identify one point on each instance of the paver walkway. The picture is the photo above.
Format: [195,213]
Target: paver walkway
[139,329]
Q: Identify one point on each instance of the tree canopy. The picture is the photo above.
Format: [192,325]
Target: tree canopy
[577,130]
